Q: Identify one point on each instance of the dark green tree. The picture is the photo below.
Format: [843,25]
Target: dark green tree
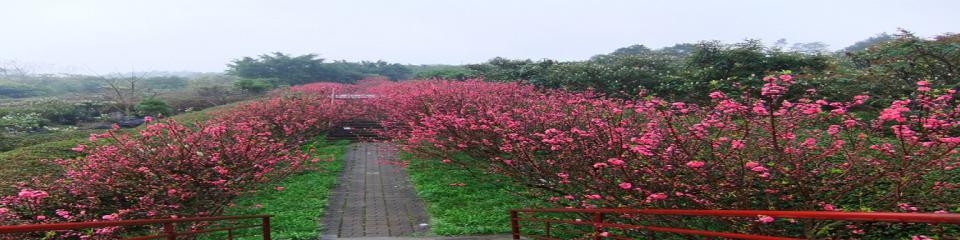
[740,67]
[869,42]
[890,70]
[507,70]
[632,50]
[447,73]
[294,70]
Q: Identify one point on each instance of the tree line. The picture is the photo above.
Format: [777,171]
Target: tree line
[885,65]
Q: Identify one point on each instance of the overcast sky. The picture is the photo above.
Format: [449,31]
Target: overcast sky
[99,37]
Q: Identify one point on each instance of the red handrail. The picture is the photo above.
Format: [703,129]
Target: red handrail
[598,220]
[169,229]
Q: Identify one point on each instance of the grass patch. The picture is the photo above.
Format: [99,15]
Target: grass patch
[297,208]
[480,206]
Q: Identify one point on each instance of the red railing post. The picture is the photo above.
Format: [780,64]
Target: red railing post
[170,231]
[548,229]
[229,234]
[266,228]
[514,225]
[597,220]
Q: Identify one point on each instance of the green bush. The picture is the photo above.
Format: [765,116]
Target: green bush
[253,85]
[6,143]
[153,107]
[64,112]
[22,122]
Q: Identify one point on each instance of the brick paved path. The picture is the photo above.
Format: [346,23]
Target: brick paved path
[374,198]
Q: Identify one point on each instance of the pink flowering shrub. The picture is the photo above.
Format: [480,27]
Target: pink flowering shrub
[292,118]
[750,152]
[170,170]
[322,88]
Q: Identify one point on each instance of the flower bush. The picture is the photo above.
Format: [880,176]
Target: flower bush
[169,169]
[761,151]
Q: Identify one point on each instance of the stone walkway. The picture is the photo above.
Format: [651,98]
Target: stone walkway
[374,198]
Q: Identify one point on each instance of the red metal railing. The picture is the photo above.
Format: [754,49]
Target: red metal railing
[169,231]
[599,224]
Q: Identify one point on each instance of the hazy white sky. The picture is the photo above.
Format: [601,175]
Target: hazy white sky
[98,37]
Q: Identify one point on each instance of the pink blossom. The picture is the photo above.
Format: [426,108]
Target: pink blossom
[279,188]
[148,119]
[950,139]
[626,185]
[809,143]
[63,213]
[760,110]
[736,144]
[110,217]
[221,170]
[833,129]
[829,207]
[717,95]
[920,237]
[861,98]
[446,161]
[656,196]
[765,219]
[4,211]
[695,164]
[78,148]
[615,161]
[786,77]
[593,196]
[30,194]
[906,207]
